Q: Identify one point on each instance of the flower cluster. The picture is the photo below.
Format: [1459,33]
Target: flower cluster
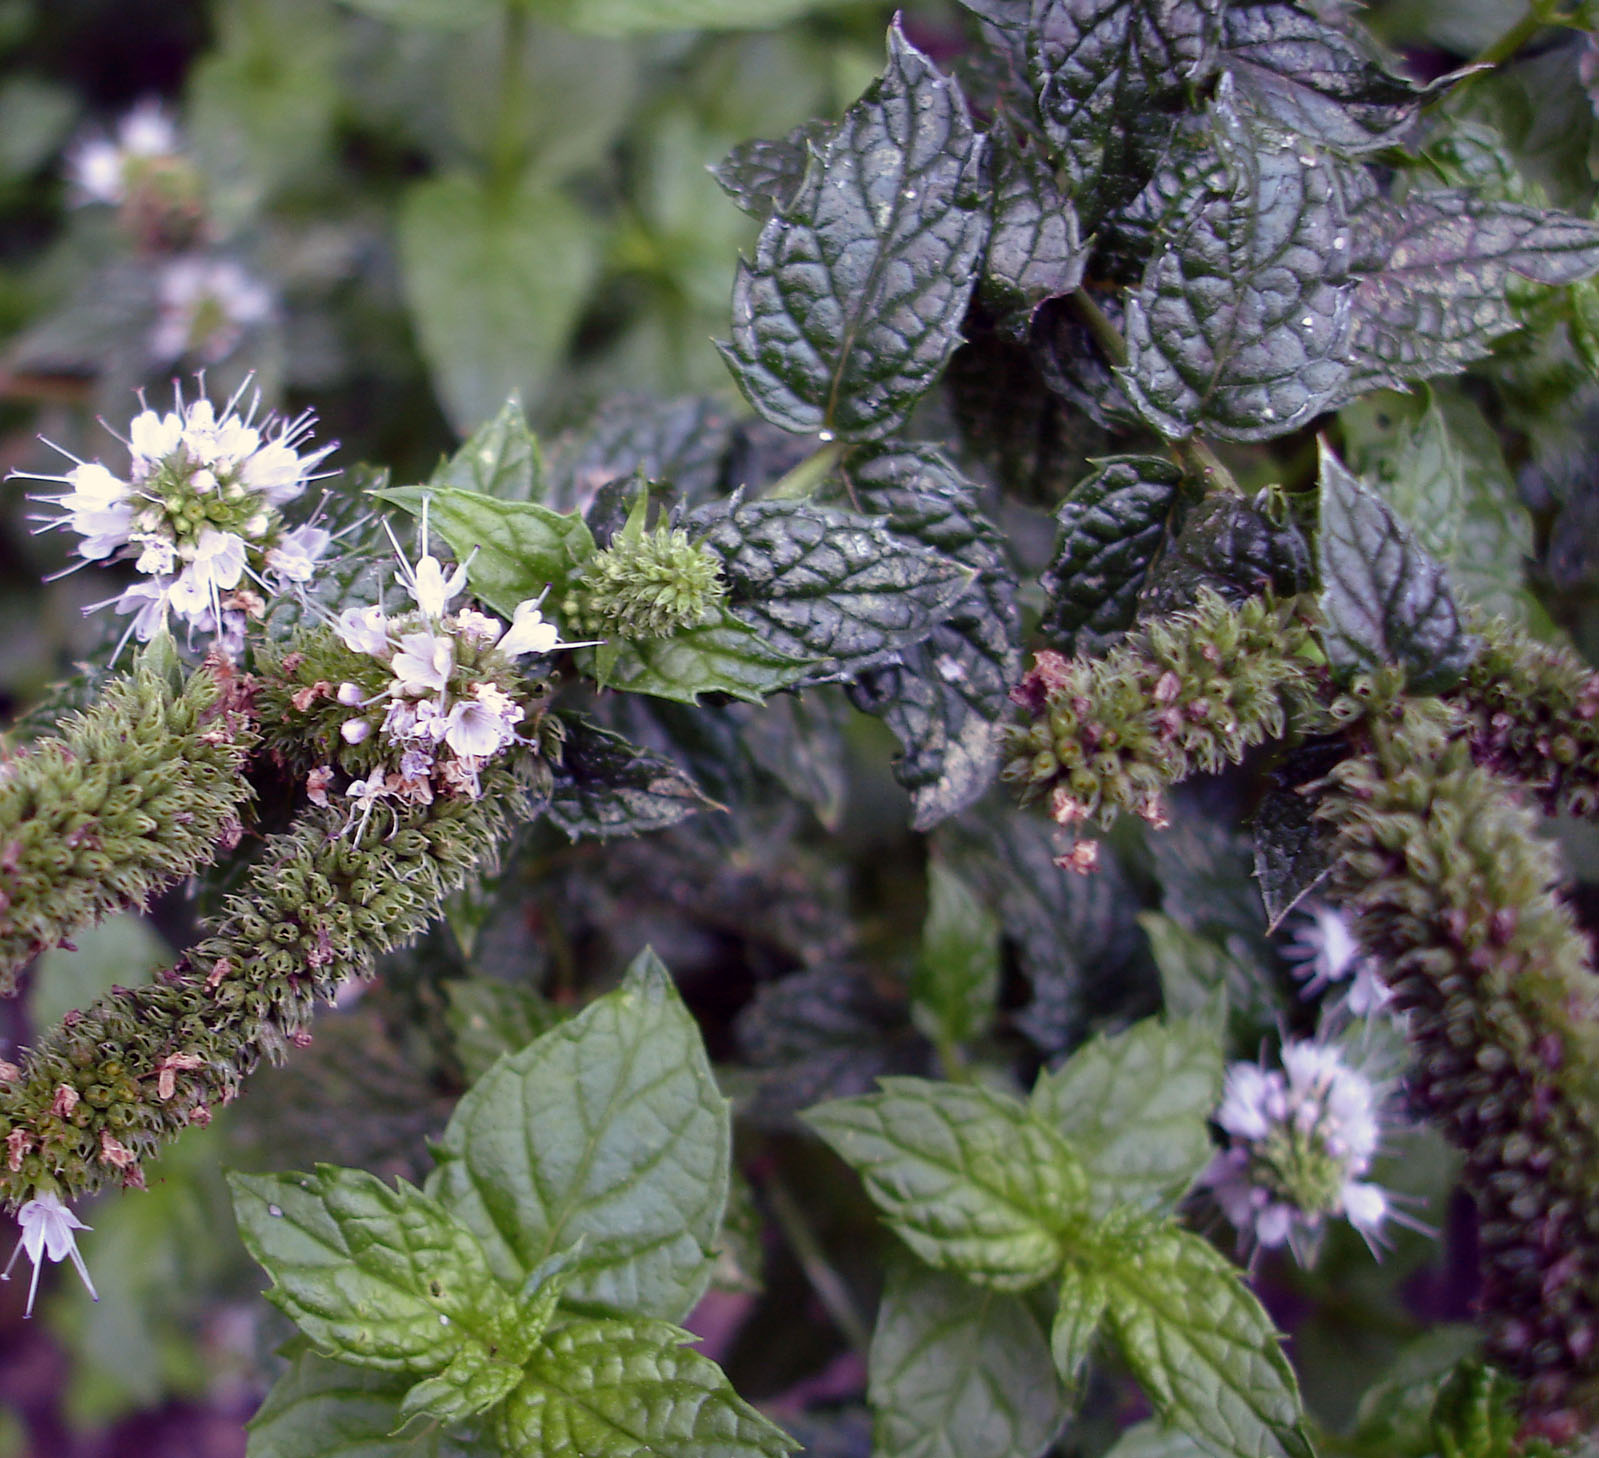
[1324,953]
[1188,693]
[106,171]
[1300,1142]
[144,173]
[204,306]
[199,513]
[421,699]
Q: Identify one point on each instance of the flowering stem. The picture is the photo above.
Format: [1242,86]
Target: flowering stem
[142,788]
[1451,887]
[101,1091]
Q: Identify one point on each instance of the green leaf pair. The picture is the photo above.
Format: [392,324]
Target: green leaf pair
[1074,1185]
[532,1286]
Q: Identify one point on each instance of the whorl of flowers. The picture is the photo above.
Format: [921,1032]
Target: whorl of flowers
[200,514]
[1450,886]
[203,308]
[144,172]
[1184,694]
[142,788]
[408,705]
[1533,710]
[1299,1143]
[647,585]
[99,1093]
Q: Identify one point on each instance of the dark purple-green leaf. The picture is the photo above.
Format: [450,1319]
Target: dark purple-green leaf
[854,302]
[1384,600]
[1111,526]
[1435,297]
[1111,78]
[1327,83]
[946,696]
[821,584]
[1241,327]
[1035,247]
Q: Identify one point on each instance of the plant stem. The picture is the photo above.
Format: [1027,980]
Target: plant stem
[1106,335]
[825,1281]
[803,480]
[1198,458]
[506,154]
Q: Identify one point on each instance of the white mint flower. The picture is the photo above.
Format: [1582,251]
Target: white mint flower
[1301,1140]
[529,632]
[48,1233]
[363,630]
[198,510]
[424,663]
[295,557]
[1323,951]
[98,167]
[204,306]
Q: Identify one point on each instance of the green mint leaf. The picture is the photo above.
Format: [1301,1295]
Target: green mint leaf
[521,548]
[381,1277]
[1084,1298]
[430,14]
[1111,526]
[471,1384]
[854,303]
[1437,268]
[606,1388]
[1134,1108]
[1326,83]
[965,1176]
[1111,79]
[1437,462]
[494,284]
[946,695]
[1291,857]
[610,1128]
[325,1409]
[1036,250]
[1199,1343]
[763,177]
[1384,600]
[959,1371]
[1475,1414]
[500,458]
[488,1018]
[723,656]
[1241,325]
[1154,1439]
[955,981]
[606,786]
[828,585]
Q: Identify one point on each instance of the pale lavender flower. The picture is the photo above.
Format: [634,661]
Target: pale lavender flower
[204,306]
[48,1233]
[1324,953]
[98,167]
[1301,1141]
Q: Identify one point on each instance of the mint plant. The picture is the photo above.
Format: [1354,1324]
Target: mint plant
[1149,489]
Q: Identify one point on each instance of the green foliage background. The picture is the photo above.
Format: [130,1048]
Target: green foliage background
[455,201]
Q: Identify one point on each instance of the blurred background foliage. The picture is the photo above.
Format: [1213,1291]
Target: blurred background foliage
[398,211]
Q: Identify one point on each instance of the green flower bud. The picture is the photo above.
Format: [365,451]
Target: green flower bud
[647,585]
